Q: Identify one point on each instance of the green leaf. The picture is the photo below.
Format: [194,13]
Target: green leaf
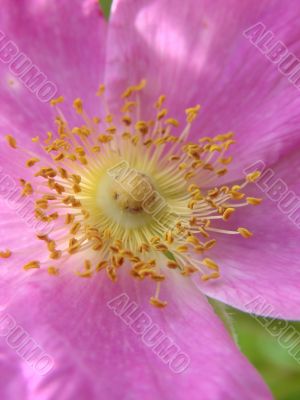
[105,6]
[224,313]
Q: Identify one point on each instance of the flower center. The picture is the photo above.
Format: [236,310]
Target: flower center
[133,194]
[130,193]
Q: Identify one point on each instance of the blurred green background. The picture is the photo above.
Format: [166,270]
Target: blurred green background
[278,368]
[105,5]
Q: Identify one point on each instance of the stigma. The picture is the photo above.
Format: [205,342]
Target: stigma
[131,193]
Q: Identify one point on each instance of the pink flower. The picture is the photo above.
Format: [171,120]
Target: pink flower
[102,255]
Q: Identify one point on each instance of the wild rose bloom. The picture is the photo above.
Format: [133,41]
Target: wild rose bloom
[88,288]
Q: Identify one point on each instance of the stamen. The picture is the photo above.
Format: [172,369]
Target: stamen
[131,193]
[5,253]
[245,232]
[11,141]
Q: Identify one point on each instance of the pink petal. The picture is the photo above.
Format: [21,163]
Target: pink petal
[262,274]
[98,348]
[195,52]
[66,41]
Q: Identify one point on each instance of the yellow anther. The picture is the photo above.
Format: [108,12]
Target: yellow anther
[114,249]
[69,219]
[75,178]
[80,151]
[74,246]
[182,249]
[193,240]
[225,161]
[55,255]
[157,302]
[222,171]
[53,271]
[192,113]
[203,232]
[172,264]
[192,203]
[188,270]
[192,187]
[59,188]
[209,263]
[172,121]
[169,237]
[128,92]
[215,147]
[11,141]
[75,228]
[41,203]
[205,139]
[174,158]
[63,173]
[126,135]
[253,176]
[148,142]
[96,120]
[71,157]
[156,277]
[229,135]
[161,114]
[111,272]
[101,90]
[126,120]
[210,244]
[49,197]
[227,213]
[193,221]
[76,188]
[32,265]
[49,137]
[213,192]
[53,216]
[182,166]
[101,265]
[236,195]
[27,189]
[228,143]
[96,149]
[104,138]
[208,167]
[140,86]
[31,162]
[78,105]
[160,101]
[155,239]
[244,232]
[43,237]
[161,247]
[189,175]
[59,157]
[128,106]
[56,101]
[254,201]
[109,118]
[51,245]
[5,254]
[142,127]
[213,275]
